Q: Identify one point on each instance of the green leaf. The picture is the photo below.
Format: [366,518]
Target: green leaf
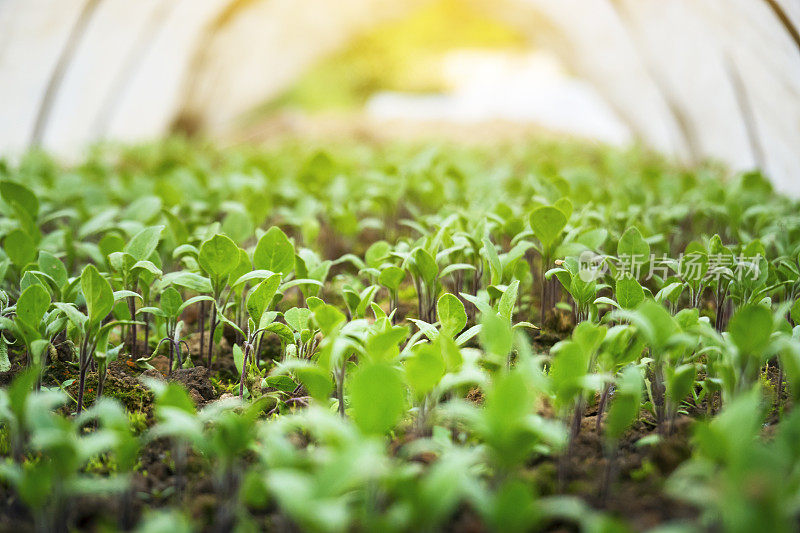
[219,255]
[377,398]
[188,280]
[391,277]
[384,345]
[495,266]
[243,266]
[513,508]
[194,300]
[297,318]
[633,247]
[274,252]
[327,317]
[171,395]
[455,267]
[365,298]
[171,302]
[238,358]
[281,330]
[5,364]
[146,266]
[77,318]
[15,193]
[282,383]
[671,292]
[624,408]
[53,267]
[29,278]
[377,253]
[569,366]
[496,334]
[505,307]
[121,295]
[32,305]
[298,282]
[547,223]
[143,209]
[317,382]
[593,239]
[450,352]
[629,293]
[589,335]
[424,369]
[424,265]
[144,243]
[19,246]
[98,294]
[452,316]
[679,383]
[251,276]
[795,312]
[565,206]
[260,298]
[177,227]
[750,329]
[653,321]
[237,222]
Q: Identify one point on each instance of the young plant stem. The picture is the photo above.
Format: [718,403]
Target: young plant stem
[245,357]
[171,354]
[609,473]
[146,333]
[393,306]
[178,345]
[125,520]
[82,367]
[543,301]
[179,450]
[240,319]
[422,419]
[601,407]
[340,388]
[574,430]
[81,386]
[101,379]
[202,327]
[132,310]
[659,396]
[213,328]
[225,519]
[417,286]
[257,352]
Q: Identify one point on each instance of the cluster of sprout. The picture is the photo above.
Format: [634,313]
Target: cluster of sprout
[387,288]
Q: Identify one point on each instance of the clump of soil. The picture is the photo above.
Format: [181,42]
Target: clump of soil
[196,381]
[122,383]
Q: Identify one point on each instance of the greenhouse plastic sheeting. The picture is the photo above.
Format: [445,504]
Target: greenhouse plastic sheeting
[693,78]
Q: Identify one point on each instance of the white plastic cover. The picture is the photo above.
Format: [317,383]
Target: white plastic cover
[693,78]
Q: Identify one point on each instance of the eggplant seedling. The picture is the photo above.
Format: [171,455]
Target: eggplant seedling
[171,308]
[90,331]
[547,223]
[260,318]
[132,263]
[218,257]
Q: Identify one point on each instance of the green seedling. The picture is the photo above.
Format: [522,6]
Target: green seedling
[170,310]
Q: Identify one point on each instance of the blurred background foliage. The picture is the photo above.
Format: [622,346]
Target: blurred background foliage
[403,54]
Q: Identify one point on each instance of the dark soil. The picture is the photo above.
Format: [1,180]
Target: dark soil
[637,494]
